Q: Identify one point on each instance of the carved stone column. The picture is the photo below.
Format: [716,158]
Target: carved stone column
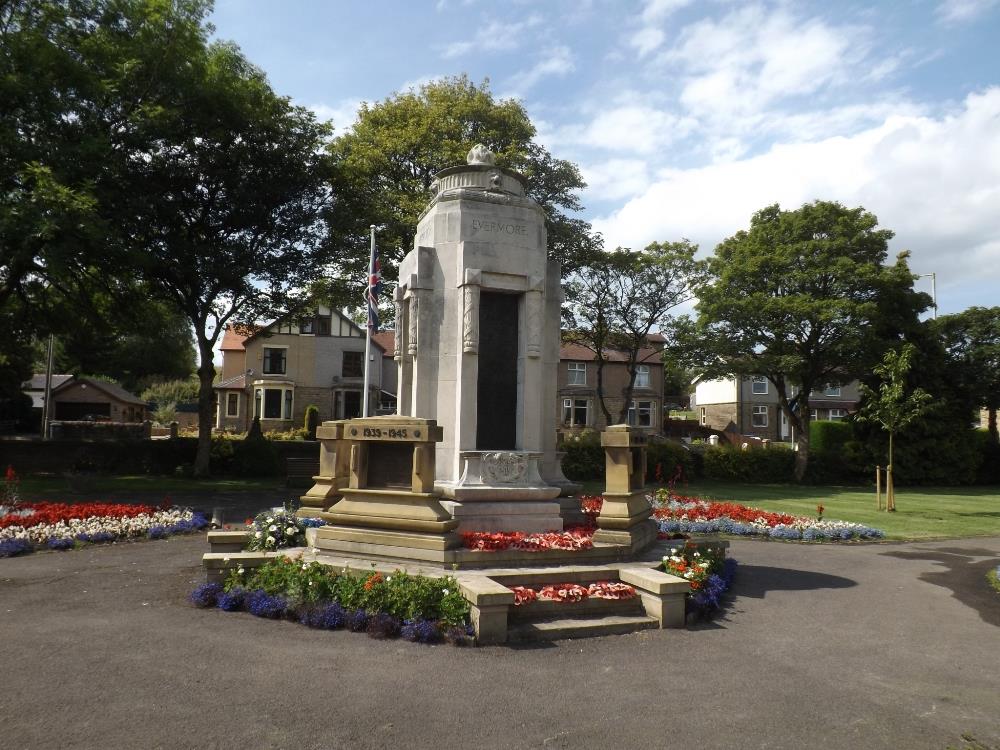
[414,317]
[470,311]
[399,333]
[533,322]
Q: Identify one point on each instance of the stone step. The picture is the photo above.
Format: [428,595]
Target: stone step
[536,579]
[579,627]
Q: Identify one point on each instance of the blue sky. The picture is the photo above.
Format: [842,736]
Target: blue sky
[686,117]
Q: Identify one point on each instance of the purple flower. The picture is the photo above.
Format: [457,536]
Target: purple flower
[11,547]
[206,595]
[232,601]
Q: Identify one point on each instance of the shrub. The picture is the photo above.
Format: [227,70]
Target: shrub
[311,421]
[276,529]
[756,465]
[255,458]
[206,595]
[828,436]
[670,456]
[584,457]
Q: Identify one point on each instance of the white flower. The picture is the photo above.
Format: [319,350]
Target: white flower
[388,578]
[689,573]
[259,534]
[272,527]
[291,530]
[268,520]
[225,559]
[697,554]
[240,570]
[703,565]
[305,566]
[270,540]
[444,591]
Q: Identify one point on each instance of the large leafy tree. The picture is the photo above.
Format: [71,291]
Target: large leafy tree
[220,182]
[618,300]
[386,162]
[972,340]
[804,298]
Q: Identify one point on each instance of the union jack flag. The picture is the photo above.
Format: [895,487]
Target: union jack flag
[371,294]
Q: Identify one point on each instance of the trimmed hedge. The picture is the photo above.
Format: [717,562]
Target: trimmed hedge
[671,456]
[773,465]
[584,456]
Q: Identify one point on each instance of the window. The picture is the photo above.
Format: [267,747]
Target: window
[232,404]
[832,390]
[285,327]
[640,413]
[323,326]
[642,376]
[704,416]
[837,414]
[306,326]
[274,361]
[577,372]
[576,412]
[758,385]
[354,365]
[759,416]
[273,403]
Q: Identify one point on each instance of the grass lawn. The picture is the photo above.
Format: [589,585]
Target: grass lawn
[921,512]
[39,486]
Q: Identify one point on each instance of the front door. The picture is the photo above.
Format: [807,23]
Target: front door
[350,405]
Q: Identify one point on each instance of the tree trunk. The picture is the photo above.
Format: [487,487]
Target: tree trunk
[206,376]
[991,424]
[600,391]
[802,441]
[890,491]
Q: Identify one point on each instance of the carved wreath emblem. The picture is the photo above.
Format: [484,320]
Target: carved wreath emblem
[501,467]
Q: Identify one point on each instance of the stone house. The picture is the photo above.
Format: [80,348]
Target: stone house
[278,370]
[578,404]
[749,406]
[76,399]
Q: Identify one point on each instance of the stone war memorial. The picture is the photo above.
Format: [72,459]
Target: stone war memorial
[473,447]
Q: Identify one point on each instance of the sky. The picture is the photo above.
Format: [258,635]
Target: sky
[687,116]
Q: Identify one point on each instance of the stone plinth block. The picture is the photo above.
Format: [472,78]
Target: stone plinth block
[333,471]
[499,475]
[389,509]
[521,515]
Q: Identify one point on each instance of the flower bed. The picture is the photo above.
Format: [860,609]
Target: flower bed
[415,608]
[573,538]
[678,513]
[572,592]
[31,526]
[709,573]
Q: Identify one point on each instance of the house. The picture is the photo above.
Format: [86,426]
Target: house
[77,399]
[749,406]
[278,370]
[579,407]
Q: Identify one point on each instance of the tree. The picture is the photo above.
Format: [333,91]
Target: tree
[136,345]
[803,298]
[217,181]
[891,407]
[617,301]
[972,340]
[386,162]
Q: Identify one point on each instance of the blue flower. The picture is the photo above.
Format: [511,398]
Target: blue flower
[60,542]
[206,595]
[261,604]
[12,547]
[232,601]
[158,532]
[312,523]
[357,621]
[332,616]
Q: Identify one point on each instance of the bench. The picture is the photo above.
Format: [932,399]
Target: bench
[299,472]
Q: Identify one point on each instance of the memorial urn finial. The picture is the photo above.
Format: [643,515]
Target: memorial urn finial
[479,154]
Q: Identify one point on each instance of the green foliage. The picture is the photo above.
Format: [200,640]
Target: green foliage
[829,436]
[255,458]
[276,529]
[165,413]
[310,422]
[176,391]
[670,456]
[972,341]
[765,466]
[405,596]
[584,459]
[804,298]
[294,434]
[616,301]
[386,162]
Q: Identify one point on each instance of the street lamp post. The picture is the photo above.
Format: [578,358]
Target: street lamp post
[933,289]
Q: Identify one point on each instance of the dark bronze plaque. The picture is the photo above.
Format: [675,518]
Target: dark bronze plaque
[390,465]
[496,425]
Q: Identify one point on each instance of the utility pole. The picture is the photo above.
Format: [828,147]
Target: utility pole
[46,404]
[933,289]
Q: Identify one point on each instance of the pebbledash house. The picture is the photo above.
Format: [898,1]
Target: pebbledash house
[278,370]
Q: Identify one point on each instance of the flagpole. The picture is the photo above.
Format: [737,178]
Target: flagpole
[368,336]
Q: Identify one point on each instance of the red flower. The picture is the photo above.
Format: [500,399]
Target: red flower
[10,475]
[373,580]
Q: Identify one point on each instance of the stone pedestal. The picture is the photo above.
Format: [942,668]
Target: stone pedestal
[626,515]
[390,499]
[333,476]
[477,321]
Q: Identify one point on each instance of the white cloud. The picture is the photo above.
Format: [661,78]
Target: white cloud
[557,62]
[495,36]
[657,10]
[961,11]
[627,125]
[616,179]
[646,40]
[935,181]
[342,114]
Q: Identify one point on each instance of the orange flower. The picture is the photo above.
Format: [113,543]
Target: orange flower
[372,581]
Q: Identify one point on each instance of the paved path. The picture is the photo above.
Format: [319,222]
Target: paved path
[868,646]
